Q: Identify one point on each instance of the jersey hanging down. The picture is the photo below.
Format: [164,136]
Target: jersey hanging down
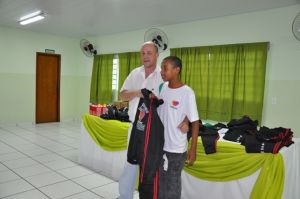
[147,138]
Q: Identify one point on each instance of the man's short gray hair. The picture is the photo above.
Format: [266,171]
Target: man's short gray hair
[150,43]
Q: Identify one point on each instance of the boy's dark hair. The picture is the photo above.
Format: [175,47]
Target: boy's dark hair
[176,62]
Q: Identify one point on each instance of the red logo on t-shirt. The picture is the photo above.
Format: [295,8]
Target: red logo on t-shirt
[175,103]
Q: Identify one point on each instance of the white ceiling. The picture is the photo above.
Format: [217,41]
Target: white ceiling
[84,18]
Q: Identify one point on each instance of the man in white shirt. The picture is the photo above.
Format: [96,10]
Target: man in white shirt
[146,76]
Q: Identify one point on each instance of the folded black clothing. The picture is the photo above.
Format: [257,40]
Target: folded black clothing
[244,128]
[244,120]
[288,142]
[208,131]
[111,113]
[234,136]
[209,142]
[252,145]
[241,127]
[274,135]
[219,126]
[123,116]
[116,114]
[124,109]
[209,136]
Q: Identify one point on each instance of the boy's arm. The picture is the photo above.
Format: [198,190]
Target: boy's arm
[191,156]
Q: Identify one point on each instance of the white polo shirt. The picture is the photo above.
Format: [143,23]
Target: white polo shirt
[135,81]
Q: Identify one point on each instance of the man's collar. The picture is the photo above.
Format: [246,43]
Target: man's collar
[156,70]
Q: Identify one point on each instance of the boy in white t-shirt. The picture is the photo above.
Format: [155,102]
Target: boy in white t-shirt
[179,102]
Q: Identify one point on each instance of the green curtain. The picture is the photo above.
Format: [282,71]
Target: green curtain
[195,62]
[232,78]
[231,162]
[127,62]
[101,83]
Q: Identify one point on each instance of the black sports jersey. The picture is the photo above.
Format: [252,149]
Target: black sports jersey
[146,144]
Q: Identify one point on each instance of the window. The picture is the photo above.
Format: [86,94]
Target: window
[115,78]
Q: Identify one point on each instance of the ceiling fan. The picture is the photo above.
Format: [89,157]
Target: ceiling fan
[158,37]
[87,48]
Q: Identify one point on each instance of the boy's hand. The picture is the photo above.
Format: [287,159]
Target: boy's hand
[191,157]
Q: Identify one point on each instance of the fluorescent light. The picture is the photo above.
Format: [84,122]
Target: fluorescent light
[31,20]
[32,17]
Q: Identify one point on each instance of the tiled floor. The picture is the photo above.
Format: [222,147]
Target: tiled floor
[40,162]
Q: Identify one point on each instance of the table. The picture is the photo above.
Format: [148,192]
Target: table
[242,188]
[111,164]
[103,146]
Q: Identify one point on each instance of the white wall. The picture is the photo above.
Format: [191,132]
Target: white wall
[18,69]
[19,47]
[283,68]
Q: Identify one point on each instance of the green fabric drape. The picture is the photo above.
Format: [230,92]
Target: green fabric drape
[232,163]
[228,79]
[101,83]
[111,135]
[127,62]
[195,66]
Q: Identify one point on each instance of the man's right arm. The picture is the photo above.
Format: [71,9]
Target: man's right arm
[129,95]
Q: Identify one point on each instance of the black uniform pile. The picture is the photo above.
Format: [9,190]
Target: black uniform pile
[244,131]
[268,140]
[238,129]
[264,140]
[209,135]
[113,113]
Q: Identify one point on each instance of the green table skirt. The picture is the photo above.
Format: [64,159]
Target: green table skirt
[111,135]
[231,162]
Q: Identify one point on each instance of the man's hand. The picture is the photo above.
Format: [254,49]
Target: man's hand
[184,125]
[138,93]
[129,95]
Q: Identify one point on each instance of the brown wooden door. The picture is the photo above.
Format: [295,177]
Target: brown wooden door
[47,87]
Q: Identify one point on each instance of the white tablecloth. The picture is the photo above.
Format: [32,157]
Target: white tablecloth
[108,163]
[111,164]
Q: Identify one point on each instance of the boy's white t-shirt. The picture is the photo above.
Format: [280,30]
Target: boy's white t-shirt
[178,103]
